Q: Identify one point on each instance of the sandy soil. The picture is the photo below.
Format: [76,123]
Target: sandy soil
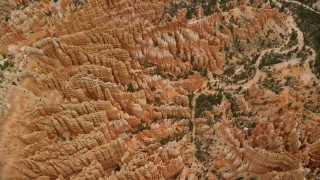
[317,5]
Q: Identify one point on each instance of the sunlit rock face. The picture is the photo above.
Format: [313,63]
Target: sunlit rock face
[110,90]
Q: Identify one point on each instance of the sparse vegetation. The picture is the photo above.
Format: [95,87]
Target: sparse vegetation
[234,106]
[229,71]
[77,4]
[192,8]
[239,178]
[200,154]
[6,64]
[293,39]
[317,66]
[308,2]
[157,100]
[270,59]
[217,118]
[249,125]
[48,12]
[217,173]
[190,125]
[130,88]
[245,70]
[203,71]
[10,56]
[309,22]
[169,139]
[207,6]
[7,18]
[206,102]
[141,128]
[162,73]
[190,97]
[223,4]
[272,84]
[291,81]
[248,73]
[312,105]
[238,45]
[117,168]
[303,55]
[187,74]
